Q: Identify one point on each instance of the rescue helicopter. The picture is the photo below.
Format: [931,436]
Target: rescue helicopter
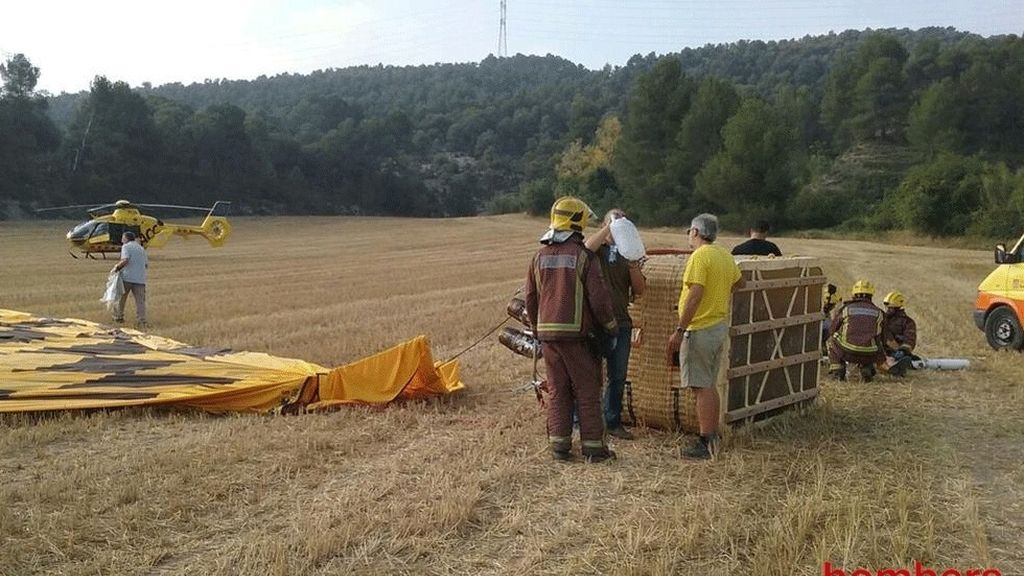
[102,233]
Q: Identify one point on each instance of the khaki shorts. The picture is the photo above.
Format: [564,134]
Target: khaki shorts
[700,355]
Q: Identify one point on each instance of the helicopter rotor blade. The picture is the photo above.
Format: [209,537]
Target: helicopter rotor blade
[101,209]
[177,207]
[92,208]
[69,207]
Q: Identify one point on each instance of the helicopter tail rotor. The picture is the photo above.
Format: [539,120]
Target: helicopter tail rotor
[216,228]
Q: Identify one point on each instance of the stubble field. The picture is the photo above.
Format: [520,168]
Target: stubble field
[875,475]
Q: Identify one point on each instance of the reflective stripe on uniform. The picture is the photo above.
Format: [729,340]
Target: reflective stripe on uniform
[841,336]
[557,261]
[845,344]
[563,261]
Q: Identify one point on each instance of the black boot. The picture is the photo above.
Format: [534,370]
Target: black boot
[561,455]
[595,455]
[621,433]
[867,372]
[899,369]
[561,451]
[704,448]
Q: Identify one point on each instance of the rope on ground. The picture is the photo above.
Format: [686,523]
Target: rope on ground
[479,340]
[491,331]
[520,389]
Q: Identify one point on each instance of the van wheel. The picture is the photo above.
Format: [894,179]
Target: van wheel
[1002,329]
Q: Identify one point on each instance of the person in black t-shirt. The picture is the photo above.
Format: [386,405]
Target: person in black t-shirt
[757,245]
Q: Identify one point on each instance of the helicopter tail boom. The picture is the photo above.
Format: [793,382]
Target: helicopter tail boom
[215,227]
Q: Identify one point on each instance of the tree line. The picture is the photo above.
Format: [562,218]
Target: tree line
[892,129]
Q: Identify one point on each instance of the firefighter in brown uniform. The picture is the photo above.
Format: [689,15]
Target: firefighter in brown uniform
[899,334]
[855,335]
[567,302]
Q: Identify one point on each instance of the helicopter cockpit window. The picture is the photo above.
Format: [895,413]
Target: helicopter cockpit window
[82,231]
[101,228]
[116,230]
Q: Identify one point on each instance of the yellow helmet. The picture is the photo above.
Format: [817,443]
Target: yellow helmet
[863,287]
[570,214]
[895,300]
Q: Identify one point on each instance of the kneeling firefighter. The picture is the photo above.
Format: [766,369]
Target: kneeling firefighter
[855,334]
[568,303]
[899,333]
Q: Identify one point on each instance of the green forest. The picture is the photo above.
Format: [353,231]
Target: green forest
[917,130]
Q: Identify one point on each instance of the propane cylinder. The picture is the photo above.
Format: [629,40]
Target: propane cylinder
[942,364]
[517,310]
[520,342]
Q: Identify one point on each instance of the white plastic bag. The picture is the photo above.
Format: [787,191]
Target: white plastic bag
[627,239]
[115,289]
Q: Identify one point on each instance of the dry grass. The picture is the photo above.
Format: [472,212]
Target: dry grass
[874,475]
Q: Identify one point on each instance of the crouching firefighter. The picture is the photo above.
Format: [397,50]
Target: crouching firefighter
[567,303]
[899,334]
[855,334]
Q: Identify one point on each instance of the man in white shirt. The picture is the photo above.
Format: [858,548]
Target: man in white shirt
[132,267]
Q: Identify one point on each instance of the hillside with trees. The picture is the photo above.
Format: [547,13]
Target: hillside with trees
[893,129]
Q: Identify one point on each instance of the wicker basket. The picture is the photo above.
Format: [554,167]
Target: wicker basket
[773,350]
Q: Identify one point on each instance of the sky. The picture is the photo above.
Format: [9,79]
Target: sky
[189,41]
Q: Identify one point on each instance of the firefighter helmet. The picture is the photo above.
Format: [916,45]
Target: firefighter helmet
[895,300]
[570,214]
[864,287]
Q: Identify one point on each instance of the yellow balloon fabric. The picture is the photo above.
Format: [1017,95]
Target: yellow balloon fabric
[67,364]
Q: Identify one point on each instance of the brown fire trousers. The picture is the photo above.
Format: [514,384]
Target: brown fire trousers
[837,356]
[574,376]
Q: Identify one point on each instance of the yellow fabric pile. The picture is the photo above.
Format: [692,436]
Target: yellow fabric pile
[50,364]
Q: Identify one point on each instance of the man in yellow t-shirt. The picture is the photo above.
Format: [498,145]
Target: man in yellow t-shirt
[710,278]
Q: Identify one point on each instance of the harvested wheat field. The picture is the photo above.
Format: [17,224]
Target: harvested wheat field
[877,475]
